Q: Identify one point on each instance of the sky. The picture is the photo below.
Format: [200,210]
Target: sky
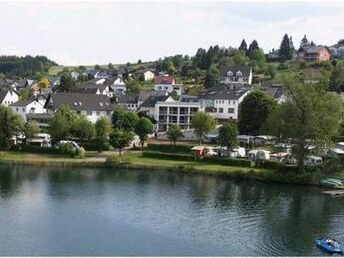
[100,32]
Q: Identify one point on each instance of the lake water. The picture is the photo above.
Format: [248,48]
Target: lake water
[46,211]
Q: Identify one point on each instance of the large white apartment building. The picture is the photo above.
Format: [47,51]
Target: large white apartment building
[179,113]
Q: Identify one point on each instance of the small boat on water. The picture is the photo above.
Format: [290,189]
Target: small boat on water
[330,245]
[331,183]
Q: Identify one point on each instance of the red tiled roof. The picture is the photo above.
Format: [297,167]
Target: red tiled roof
[164,79]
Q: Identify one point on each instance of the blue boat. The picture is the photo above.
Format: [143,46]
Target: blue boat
[330,245]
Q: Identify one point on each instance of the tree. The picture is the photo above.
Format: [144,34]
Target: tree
[102,129]
[212,77]
[243,46]
[110,67]
[309,116]
[61,122]
[254,110]
[285,52]
[120,139]
[270,70]
[139,61]
[202,123]
[124,120]
[337,78]
[67,84]
[30,129]
[82,129]
[304,42]
[228,134]
[97,67]
[43,83]
[10,124]
[239,57]
[143,127]
[253,46]
[133,87]
[174,133]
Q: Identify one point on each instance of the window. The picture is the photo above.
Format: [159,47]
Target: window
[163,110]
[229,73]
[17,109]
[89,113]
[108,112]
[174,110]
[220,110]
[97,113]
[23,109]
[231,110]
[238,73]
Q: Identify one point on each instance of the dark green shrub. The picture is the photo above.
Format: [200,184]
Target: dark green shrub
[169,148]
[69,150]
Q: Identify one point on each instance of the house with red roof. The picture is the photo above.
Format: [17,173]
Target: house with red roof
[168,84]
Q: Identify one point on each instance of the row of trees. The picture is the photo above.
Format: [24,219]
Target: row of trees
[66,124]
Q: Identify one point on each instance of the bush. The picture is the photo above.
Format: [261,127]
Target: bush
[282,66]
[227,161]
[95,145]
[69,150]
[168,156]
[168,148]
[81,153]
[35,149]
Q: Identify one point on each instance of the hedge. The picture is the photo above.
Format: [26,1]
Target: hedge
[169,148]
[209,160]
[36,149]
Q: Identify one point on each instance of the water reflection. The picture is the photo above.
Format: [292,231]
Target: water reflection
[185,214]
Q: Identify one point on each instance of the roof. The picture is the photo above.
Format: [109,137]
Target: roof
[79,101]
[3,94]
[152,100]
[128,99]
[201,148]
[274,90]
[244,69]
[22,103]
[91,87]
[313,50]
[38,116]
[164,79]
[142,71]
[225,91]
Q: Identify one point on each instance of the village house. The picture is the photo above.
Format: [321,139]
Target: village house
[145,74]
[31,106]
[134,102]
[314,54]
[337,50]
[117,85]
[96,87]
[91,106]
[167,83]
[236,74]
[222,101]
[8,97]
[274,90]
[171,112]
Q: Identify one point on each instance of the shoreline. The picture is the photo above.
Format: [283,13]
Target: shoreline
[140,163]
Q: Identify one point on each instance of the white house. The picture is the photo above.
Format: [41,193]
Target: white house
[25,107]
[170,112]
[145,74]
[167,83]
[90,105]
[222,101]
[236,74]
[117,85]
[8,97]
[97,87]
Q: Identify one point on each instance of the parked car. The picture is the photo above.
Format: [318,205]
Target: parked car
[63,142]
[263,155]
[313,161]
[252,154]
[210,152]
[40,139]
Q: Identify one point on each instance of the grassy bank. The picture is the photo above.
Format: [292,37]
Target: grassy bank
[141,162]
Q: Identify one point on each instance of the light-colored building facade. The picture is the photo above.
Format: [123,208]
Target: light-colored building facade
[171,112]
[222,101]
[25,107]
[236,74]
[8,97]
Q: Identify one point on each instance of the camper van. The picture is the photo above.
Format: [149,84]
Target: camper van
[313,161]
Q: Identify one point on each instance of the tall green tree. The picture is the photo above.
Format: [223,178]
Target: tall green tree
[211,77]
[285,52]
[174,133]
[254,110]
[30,129]
[253,46]
[202,123]
[133,87]
[228,135]
[43,83]
[143,127]
[243,46]
[309,116]
[103,129]
[10,124]
[82,129]
[124,120]
[120,139]
[304,42]
[67,84]
[61,123]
